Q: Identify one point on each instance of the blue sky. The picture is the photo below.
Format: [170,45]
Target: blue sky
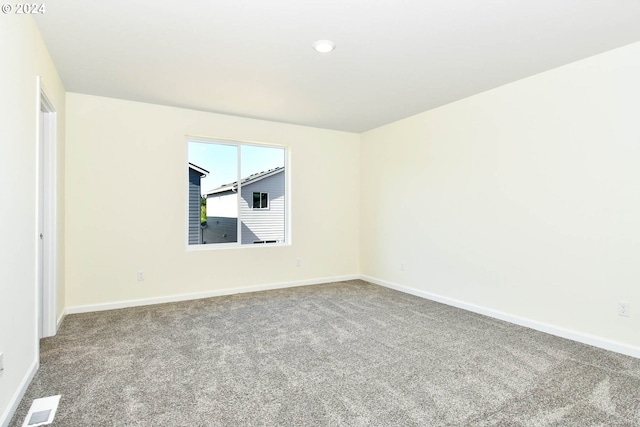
[222,161]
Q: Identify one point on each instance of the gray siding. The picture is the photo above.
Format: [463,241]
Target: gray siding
[194,207]
[264,224]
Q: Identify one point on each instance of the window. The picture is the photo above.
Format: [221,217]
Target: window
[237,193]
[260,200]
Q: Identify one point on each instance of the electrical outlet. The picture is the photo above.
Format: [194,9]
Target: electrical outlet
[624,309]
[402,266]
[140,275]
[1,364]
[298,262]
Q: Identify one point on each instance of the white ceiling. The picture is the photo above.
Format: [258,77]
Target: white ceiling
[253,58]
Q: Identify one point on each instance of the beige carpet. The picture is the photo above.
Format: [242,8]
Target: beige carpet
[342,354]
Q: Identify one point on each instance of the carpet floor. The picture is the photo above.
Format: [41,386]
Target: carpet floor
[340,354]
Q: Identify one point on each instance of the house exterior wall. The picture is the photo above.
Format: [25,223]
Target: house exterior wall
[194,207]
[222,218]
[223,205]
[264,224]
[220,229]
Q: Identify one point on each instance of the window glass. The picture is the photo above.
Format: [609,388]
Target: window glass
[260,200]
[236,193]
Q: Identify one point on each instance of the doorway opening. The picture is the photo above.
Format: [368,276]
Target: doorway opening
[46,205]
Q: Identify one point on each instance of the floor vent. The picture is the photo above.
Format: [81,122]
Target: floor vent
[42,411]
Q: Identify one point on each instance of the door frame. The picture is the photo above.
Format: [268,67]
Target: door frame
[46,265]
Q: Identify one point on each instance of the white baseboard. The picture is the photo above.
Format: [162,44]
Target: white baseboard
[8,414]
[207,294]
[60,319]
[528,323]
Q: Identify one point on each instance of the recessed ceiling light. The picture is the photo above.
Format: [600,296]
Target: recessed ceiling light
[324,46]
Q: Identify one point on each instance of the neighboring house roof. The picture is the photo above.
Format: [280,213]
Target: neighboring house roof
[197,168]
[245,181]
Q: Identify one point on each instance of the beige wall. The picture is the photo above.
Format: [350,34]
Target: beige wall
[522,200]
[23,57]
[126,204]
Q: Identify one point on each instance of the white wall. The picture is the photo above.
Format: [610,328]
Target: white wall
[522,200]
[123,157]
[23,57]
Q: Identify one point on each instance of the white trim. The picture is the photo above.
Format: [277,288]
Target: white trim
[288,183]
[48,295]
[61,318]
[38,201]
[10,411]
[231,246]
[202,172]
[595,341]
[238,197]
[230,141]
[207,294]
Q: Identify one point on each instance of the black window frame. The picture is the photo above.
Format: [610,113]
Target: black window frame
[263,197]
